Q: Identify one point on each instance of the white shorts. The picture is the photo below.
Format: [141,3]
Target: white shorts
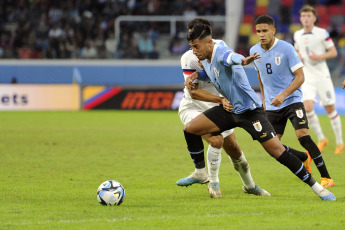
[188,111]
[323,89]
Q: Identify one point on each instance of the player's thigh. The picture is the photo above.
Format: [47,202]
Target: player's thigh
[201,125]
[278,120]
[188,111]
[309,105]
[309,91]
[221,118]
[255,122]
[298,117]
[326,93]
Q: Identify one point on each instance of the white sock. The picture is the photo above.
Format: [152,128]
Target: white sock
[242,167]
[319,190]
[214,158]
[315,125]
[202,172]
[336,125]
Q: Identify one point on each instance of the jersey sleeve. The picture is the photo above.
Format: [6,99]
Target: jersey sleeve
[203,76]
[293,59]
[232,58]
[327,40]
[189,64]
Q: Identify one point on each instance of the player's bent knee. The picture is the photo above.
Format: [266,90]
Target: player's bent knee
[189,128]
[215,141]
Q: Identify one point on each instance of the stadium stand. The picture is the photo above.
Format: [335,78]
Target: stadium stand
[65,29]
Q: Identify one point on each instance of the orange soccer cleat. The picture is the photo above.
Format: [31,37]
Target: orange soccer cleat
[307,163]
[327,182]
[339,149]
[322,144]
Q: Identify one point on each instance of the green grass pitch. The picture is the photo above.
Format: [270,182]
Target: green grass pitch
[51,164]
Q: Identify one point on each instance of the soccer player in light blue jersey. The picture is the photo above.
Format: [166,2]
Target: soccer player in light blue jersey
[280,74]
[194,103]
[224,68]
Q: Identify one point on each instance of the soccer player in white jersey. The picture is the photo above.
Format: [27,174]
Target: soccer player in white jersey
[314,46]
[224,68]
[280,74]
[194,103]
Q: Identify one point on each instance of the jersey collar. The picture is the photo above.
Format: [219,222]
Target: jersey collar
[311,32]
[214,51]
[274,44]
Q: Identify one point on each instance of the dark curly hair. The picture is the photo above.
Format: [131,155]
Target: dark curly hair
[265,19]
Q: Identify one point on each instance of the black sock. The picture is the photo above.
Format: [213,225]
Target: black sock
[300,155]
[315,153]
[196,149]
[296,167]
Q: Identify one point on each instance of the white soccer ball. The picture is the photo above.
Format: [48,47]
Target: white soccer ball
[110,192]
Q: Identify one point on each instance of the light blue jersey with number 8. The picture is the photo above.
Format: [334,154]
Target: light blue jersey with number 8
[276,67]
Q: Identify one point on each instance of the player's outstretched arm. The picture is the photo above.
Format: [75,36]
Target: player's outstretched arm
[344,84]
[250,59]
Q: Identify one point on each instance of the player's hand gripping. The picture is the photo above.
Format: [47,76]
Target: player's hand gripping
[189,81]
[278,100]
[250,59]
[226,105]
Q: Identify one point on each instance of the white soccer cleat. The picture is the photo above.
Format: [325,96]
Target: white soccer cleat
[193,178]
[256,191]
[326,195]
[214,190]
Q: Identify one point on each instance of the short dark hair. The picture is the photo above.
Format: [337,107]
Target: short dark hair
[265,19]
[200,31]
[195,21]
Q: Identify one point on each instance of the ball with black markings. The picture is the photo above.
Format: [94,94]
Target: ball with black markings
[110,192]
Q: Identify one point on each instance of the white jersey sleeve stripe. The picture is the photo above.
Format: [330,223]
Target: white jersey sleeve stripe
[296,67]
[228,60]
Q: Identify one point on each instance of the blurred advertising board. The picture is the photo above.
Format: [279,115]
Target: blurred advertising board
[127,98]
[99,97]
[39,97]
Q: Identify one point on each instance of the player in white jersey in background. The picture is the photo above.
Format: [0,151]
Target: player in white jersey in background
[194,103]
[314,46]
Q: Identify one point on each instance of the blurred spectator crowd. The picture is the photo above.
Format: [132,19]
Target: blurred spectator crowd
[331,16]
[63,29]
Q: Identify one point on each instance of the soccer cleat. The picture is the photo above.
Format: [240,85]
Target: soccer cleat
[214,190]
[339,149]
[307,162]
[327,182]
[322,144]
[256,191]
[193,178]
[327,195]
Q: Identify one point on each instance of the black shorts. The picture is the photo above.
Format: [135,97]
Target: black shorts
[295,112]
[255,122]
